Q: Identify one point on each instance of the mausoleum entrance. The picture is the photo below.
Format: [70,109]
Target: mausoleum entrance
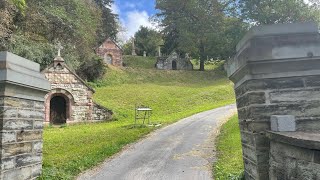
[174,65]
[59,108]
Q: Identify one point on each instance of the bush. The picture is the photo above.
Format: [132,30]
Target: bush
[92,70]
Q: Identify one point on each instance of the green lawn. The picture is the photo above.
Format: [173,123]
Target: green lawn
[171,94]
[230,163]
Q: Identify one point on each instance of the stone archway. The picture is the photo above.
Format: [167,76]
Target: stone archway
[59,105]
[58,110]
[174,65]
[108,59]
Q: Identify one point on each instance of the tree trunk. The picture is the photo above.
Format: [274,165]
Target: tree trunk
[202,56]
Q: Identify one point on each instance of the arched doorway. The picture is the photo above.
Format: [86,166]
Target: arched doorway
[174,65]
[108,59]
[58,110]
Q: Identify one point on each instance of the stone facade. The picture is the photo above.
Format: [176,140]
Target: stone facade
[276,71]
[174,62]
[75,97]
[22,91]
[110,52]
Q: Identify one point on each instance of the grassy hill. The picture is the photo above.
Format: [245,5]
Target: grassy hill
[171,94]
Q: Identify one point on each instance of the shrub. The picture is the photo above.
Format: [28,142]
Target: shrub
[92,69]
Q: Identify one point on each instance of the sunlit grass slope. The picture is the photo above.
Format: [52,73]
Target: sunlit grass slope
[230,163]
[171,94]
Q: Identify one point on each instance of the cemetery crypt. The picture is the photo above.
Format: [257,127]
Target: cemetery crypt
[70,98]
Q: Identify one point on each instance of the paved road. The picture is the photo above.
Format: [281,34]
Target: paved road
[181,151]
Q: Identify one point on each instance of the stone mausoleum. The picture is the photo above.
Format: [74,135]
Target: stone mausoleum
[70,98]
[111,52]
[174,62]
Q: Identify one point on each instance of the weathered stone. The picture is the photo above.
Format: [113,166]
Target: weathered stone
[283,123]
[21,86]
[37,146]
[17,124]
[8,163]
[276,71]
[269,84]
[25,160]
[29,136]
[316,157]
[8,137]
[251,98]
[16,149]
[38,124]
[24,173]
[295,96]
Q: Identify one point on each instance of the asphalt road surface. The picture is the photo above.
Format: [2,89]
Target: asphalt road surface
[182,151]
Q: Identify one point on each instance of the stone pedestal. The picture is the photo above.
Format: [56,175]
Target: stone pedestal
[22,91]
[276,71]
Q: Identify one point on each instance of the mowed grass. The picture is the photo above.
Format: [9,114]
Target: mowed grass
[172,95]
[230,163]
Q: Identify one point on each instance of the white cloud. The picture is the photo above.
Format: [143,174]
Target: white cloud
[135,19]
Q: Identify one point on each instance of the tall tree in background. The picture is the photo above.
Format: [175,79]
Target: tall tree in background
[199,27]
[109,20]
[148,40]
[278,11]
[80,25]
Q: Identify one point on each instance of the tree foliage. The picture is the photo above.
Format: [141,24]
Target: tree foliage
[199,27]
[148,40]
[80,25]
[278,11]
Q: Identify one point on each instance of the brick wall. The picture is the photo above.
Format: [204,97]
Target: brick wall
[109,47]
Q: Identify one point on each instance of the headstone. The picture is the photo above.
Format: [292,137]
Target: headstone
[133,53]
[159,51]
[22,92]
[144,54]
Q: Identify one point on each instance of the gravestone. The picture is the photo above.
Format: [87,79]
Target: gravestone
[22,91]
[276,72]
[133,47]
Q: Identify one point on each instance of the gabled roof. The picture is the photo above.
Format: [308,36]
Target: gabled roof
[114,42]
[72,72]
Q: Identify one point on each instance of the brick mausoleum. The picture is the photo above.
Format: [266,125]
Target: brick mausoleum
[110,52]
[70,98]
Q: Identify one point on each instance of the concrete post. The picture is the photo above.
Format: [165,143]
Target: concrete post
[276,71]
[22,91]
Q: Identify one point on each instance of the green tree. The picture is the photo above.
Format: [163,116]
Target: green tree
[79,25]
[278,11]
[148,40]
[199,27]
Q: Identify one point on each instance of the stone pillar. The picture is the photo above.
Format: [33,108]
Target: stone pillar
[22,91]
[144,54]
[276,71]
[159,51]
[133,47]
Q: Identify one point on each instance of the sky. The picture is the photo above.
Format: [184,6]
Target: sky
[133,14]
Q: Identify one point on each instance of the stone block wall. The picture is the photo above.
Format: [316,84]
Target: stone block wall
[101,113]
[78,95]
[276,71]
[294,156]
[22,91]
[166,63]
[21,138]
